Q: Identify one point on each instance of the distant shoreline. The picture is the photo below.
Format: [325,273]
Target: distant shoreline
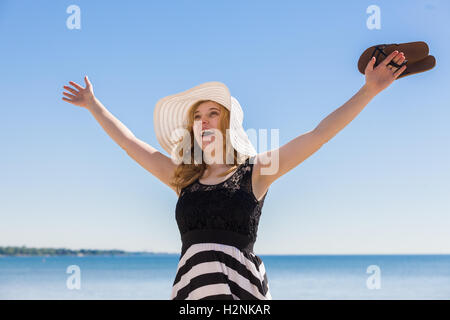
[56,252]
[49,252]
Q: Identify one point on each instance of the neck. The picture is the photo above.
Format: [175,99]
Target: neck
[217,167]
[214,164]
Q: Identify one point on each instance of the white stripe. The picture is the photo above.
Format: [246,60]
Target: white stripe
[209,290]
[230,250]
[268,295]
[216,266]
[235,297]
[262,270]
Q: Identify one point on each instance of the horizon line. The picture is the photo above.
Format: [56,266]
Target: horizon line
[266,254]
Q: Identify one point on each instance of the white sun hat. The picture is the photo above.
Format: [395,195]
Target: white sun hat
[170,115]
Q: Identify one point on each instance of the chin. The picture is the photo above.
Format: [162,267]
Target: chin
[207,142]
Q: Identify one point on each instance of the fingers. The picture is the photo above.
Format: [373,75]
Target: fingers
[76,85]
[70,89]
[86,80]
[75,95]
[399,71]
[389,58]
[68,100]
[399,58]
[370,65]
[71,96]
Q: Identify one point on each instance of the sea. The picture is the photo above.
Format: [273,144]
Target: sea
[290,277]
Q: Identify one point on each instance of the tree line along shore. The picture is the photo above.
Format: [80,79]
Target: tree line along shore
[24,251]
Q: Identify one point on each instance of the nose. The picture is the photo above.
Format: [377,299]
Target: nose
[204,123]
[201,124]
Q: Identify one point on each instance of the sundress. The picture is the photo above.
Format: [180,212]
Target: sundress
[218,225]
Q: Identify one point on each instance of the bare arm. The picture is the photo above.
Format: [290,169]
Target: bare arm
[297,150]
[341,117]
[148,157]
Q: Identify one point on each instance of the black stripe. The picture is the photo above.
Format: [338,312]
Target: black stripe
[254,258]
[265,282]
[257,259]
[241,241]
[240,292]
[218,297]
[200,281]
[213,278]
[229,261]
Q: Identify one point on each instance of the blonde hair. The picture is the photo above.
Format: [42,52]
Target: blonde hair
[187,173]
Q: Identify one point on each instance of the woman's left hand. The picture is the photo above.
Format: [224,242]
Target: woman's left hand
[380,77]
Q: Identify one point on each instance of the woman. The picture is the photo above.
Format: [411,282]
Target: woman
[219,202]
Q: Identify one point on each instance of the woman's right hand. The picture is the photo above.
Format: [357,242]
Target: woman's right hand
[82,97]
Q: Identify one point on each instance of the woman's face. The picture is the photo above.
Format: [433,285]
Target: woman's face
[206,117]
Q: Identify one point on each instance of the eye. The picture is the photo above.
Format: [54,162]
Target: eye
[196,117]
[214,112]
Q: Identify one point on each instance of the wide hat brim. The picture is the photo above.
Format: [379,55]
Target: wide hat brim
[170,117]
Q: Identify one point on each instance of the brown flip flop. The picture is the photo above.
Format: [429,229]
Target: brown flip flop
[414,51]
[423,65]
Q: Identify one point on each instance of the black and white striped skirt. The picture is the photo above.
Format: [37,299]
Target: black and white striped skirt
[219,271]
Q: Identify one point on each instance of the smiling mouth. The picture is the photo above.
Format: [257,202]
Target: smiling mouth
[207,133]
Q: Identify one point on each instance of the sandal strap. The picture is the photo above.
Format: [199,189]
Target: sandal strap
[392,63]
[380,50]
[376,53]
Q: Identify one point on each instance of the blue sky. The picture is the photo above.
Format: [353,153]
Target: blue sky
[379,186]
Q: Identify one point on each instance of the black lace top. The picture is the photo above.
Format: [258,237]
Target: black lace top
[227,212]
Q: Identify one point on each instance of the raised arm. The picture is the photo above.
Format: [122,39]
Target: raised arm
[272,164]
[148,157]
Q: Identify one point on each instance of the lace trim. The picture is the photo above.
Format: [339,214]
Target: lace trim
[229,205]
[230,183]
